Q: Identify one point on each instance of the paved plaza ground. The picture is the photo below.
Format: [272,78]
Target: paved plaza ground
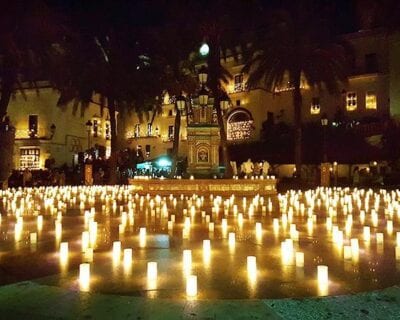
[30,300]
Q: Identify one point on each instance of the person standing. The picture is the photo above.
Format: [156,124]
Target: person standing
[265,168]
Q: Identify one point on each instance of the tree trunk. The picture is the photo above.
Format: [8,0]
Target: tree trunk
[297,104]
[6,92]
[175,145]
[214,63]
[7,138]
[114,142]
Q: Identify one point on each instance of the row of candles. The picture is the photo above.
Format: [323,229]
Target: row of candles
[289,204]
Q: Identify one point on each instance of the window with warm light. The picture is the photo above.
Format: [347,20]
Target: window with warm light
[137,130]
[29,158]
[351,101]
[33,125]
[238,84]
[149,129]
[95,128]
[370,100]
[170,132]
[315,106]
[107,130]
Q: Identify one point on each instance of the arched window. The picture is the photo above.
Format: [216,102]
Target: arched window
[239,125]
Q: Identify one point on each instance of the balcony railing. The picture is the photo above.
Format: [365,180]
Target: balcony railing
[42,133]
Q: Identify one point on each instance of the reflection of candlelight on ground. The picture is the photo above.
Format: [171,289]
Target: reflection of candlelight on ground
[187,261]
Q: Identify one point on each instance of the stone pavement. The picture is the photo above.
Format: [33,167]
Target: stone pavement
[29,300]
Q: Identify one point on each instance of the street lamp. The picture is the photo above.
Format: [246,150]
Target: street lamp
[324,123]
[203,75]
[224,102]
[89,125]
[203,96]
[181,103]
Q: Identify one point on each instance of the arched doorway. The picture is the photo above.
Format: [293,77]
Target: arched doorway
[239,125]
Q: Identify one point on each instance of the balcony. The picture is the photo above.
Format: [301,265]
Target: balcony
[41,134]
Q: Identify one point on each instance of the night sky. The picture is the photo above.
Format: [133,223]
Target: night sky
[157,12]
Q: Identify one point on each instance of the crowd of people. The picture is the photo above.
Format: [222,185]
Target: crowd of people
[250,169]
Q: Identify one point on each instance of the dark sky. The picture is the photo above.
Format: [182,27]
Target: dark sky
[152,12]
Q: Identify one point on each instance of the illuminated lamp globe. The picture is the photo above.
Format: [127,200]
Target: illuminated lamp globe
[204,49]
[224,102]
[180,103]
[203,74]
[203,97]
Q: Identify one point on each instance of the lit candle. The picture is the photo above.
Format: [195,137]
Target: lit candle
[322,275]
[116,250]
[258,229]
[379,238]
[354,247]
[152,270]
[206,247]
[191,286]
[251,266]
[367,233]
[33,237]
[142,237]
[231,239]
[85,240]
[39,223]
[84,276]
[127,257]
[300,259]
[64,252]
[347,252]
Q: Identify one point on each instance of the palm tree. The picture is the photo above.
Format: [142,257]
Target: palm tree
[112,64]
[297,46]
[224,25]
[177,72]
[28,32]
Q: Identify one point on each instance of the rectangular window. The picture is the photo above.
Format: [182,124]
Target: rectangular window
[148,148]
[33,125]
[315,106]
[107,130]
[370,100]
[351,101]
[95,128]
[137,130]
[171,132]
[238,85]
[29,158]
[149,129]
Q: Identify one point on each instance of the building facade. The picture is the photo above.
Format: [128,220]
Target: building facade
[373,91]
[45,131]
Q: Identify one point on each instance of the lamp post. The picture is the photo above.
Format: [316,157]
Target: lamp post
[324,123]
[224,102]
[89,125]
[325,166]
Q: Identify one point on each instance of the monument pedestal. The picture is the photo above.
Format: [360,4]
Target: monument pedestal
[203,149]
[325,174]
